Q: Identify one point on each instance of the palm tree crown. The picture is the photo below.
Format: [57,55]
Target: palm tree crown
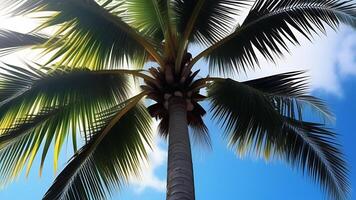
[84,89]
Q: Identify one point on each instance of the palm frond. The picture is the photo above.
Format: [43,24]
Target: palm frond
[24,125]
[108,160]
[150,17]
[285,93]
[257,117]
[312,148]
[20,143]
[11,41]
[199,130]
[41,107]
[268,29]
[92,36]
[22,87]
[214,21]
[288,92]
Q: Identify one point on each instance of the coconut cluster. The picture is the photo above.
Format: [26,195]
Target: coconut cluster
[167,83]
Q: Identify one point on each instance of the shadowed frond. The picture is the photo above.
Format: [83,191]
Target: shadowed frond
[255,115]
[40,107]
[268,27]
[214,18]
[11,41]
[92,36]
[199,131]
[288,93]
[21,88]
[109,159]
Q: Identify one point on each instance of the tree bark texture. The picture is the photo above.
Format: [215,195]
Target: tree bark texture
[180,178]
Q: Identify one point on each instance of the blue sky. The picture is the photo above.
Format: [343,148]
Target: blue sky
[220,174]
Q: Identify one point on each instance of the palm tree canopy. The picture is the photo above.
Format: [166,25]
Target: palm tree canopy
[100,53]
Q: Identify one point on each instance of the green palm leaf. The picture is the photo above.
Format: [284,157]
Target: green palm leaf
[264,116]
[41,108]
[24,125]
[20,143]
[268,27]
[108,160]
[92,36]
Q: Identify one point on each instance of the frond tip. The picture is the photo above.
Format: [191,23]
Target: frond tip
[108,160]
[268,28]
[264,116]
[312,148]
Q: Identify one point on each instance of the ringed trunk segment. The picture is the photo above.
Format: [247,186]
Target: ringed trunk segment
[180,178]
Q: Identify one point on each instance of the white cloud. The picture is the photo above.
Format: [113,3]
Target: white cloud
[20,24]
[327,60]
[346,57]
[149,180]
[318,58]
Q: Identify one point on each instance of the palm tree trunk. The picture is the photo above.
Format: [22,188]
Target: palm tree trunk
[180,179]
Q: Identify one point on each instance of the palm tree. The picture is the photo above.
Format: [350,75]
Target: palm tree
[85,89]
